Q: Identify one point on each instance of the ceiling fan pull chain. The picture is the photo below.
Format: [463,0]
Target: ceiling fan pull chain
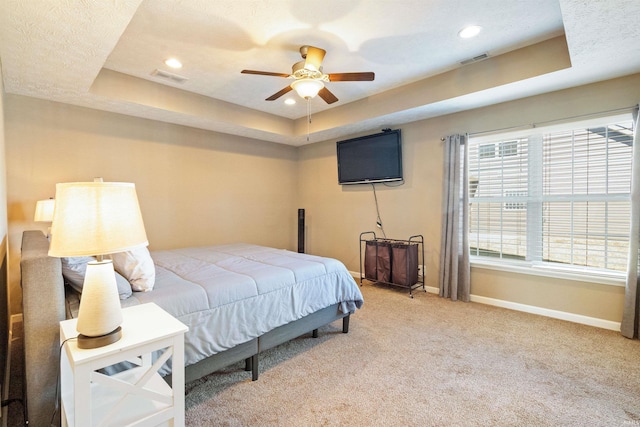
[308,118]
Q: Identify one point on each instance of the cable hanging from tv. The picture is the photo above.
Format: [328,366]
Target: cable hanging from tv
[378,219]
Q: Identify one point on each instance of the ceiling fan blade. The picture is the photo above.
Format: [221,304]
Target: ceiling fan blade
[351,77]
[278,94]
[313,60]
[264,73]
[326,94]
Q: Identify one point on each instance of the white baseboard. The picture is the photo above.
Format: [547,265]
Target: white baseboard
[547,312]
[555,314]
[432,290]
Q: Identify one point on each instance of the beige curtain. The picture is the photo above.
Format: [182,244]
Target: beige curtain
[631,314]
[454,249]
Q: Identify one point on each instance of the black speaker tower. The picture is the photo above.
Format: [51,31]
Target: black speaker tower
[301,231]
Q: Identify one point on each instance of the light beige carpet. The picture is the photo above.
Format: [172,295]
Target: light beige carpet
[429,361]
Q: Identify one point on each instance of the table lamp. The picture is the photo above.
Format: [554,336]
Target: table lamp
[96,219]
[44,212]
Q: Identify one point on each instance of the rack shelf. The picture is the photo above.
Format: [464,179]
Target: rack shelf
[392,261]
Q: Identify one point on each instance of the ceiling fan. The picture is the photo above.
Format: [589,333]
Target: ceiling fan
[308,76]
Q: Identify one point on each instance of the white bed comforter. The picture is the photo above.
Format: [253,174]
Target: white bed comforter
[230,294]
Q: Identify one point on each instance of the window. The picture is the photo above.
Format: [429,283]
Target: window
[557,196]
[487,151]
[509,148]
[512,205]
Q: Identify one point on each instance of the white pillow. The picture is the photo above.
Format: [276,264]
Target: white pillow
[74,270]
[137,267]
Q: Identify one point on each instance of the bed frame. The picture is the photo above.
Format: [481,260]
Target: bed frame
[43,306]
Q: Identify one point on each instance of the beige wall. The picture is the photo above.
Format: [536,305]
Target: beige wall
[4,296]
[3,173]
[336,215]
[195,187]
[3,198]
[199,187]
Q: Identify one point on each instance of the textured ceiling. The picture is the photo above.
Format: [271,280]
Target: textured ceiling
[101,54]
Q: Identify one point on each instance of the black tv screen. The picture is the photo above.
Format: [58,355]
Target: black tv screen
[370,159]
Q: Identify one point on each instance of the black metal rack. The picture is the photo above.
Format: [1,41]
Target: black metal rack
[392,261]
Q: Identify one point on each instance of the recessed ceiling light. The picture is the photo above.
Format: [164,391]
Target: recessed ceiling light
[290,101]
[173,63]
[470,31]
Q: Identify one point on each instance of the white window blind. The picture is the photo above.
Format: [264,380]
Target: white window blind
[557,196]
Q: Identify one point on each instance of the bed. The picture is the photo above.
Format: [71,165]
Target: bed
[237,300]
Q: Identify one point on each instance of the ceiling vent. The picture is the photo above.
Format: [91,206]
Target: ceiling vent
[475,59]
[169,76]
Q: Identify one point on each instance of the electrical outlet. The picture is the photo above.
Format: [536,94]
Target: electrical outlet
[421,270]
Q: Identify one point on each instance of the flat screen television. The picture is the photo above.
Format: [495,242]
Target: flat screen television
[370,159]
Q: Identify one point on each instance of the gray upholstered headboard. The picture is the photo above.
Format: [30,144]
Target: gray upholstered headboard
[43,307]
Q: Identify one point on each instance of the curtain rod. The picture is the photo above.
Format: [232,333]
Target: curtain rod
[534,125]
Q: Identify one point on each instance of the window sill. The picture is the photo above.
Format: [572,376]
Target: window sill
[594,276]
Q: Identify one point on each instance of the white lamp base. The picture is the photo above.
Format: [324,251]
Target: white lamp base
[99,316]
[87,342]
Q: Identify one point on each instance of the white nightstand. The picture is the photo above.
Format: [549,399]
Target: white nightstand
[138,396]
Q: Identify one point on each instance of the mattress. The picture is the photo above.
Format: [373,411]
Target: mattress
[230,294]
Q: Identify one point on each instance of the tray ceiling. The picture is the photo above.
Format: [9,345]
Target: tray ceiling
[103,55]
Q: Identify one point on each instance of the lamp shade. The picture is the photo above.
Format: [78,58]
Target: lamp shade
[96,218]
[307,88]
[44,210]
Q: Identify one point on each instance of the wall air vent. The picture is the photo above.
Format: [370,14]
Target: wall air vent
[169,76]
[475,59]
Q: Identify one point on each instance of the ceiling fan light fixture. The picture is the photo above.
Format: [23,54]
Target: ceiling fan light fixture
[307,88]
